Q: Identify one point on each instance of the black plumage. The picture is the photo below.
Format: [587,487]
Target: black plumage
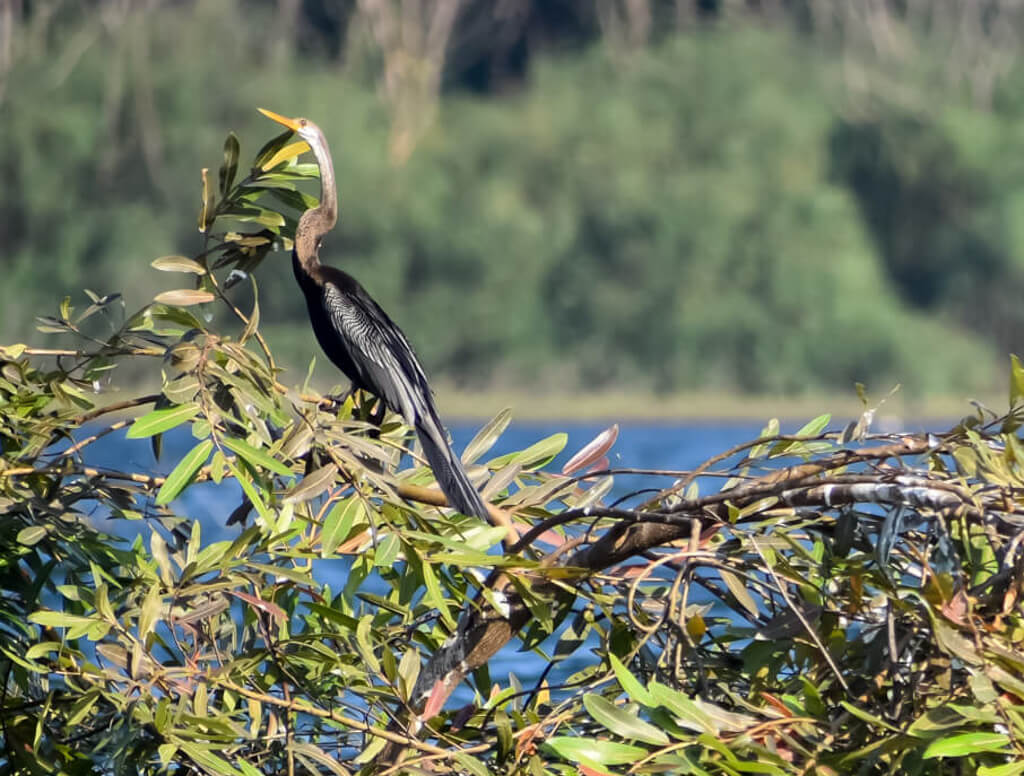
[362,341]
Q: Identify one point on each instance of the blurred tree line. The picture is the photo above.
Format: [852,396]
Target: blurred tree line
[784,195]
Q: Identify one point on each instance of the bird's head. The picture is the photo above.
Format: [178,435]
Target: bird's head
[304,128]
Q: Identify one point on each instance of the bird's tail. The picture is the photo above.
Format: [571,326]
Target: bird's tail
[447,468]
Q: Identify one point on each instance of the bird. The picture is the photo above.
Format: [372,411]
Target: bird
[361,339]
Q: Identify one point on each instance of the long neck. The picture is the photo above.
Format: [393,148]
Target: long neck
[318,221]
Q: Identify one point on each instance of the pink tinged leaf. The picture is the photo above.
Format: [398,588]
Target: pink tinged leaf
[552,538]
[436,700]
[600,466]
[629,572]
[593,451]
[259,604]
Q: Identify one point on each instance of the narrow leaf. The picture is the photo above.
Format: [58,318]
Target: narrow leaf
[574,749]
[621,722]
[178,264]
[271,147]
[967,744]
[487,436]
[230,165]
[287,153]
[593,451]
[256,457]
[184,297]
[636,691]
[158,421]
[338,523]
[536,455]
[739,590]
[184,472]
[313,484]
[206,211]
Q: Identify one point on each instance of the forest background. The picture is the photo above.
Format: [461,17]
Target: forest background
[558,197]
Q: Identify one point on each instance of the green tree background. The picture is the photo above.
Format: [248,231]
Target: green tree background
[591,195]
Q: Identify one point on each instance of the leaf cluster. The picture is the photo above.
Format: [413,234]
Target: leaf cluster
[821,602]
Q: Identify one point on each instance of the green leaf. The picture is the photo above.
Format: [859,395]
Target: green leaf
[338,523]
[313,484]
[207,213]
[207,759]
[816,426]
[864,716]
[254,457]
[271,147]
[32,534]
[630,683]
[682,707]
[230,165]
[739,590]
[487,436]
[182,474]
[286,154]
[387,551]
[43,648]
[472,765]
[150,610]
[536,455]
[1010,769]
[49,619]
[249,488]
[159,421]
[1016,380]
[621,722]
[296,200]
[576,749]
[255,215]
[254,316]
[967,744]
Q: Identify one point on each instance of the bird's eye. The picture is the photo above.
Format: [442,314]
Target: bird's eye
[303,122]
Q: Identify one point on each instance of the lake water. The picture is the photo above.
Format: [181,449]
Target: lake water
[668,445]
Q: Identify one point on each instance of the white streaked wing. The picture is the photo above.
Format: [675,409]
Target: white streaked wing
[383,369]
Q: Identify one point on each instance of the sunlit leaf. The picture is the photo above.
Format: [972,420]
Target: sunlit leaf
[636,691]
[184,472]
[536,455]
[184,297]
[967,744]
[206,209]
[255,457]
[162,420]
[178,264]
[32,534]
[621,722]
[313,484]
[486,436]
[593,451]
[339,522]
[576,749]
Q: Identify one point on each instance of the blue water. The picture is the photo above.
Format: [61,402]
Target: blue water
[663,446]
[666,446]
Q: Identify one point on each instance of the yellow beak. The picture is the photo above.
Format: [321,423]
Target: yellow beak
[292,124]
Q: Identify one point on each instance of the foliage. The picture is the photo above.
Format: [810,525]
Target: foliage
[825,602]
[702,202]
